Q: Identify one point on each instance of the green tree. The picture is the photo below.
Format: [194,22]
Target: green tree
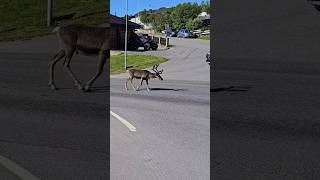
[193,24]
[182,13]
[182,16]
[144,17]
[205,6]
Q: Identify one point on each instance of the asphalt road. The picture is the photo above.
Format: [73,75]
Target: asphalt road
[265,90]
[172,138]
[172,131]
[51,134]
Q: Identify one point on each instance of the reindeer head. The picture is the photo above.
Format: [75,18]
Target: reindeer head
[157,72]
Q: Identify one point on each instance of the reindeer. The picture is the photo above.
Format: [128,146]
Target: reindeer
[83,39]
[143,75]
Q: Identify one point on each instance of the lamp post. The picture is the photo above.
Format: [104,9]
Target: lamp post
[49,12]
[126,38]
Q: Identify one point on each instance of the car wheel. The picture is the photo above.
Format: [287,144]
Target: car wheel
[154,47]
[146,46]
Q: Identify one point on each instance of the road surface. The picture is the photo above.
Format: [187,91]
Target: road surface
[172,122]
[51,134]
[265,90]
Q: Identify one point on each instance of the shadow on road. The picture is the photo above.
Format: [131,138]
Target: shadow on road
[92,89]
[231,88]
[100,89]
[167,89]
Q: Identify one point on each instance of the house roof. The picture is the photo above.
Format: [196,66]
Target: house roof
[117,21]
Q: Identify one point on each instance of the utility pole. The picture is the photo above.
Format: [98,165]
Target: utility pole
[49,12]
[126,39]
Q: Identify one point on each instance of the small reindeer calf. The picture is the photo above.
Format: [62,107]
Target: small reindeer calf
[143,75]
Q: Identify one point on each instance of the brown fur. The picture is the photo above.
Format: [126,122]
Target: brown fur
[143,75]
[84,39]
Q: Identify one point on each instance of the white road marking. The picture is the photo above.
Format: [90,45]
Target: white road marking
[123,121]
[16,169]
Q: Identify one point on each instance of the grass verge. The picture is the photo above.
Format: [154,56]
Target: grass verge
[134,60]
[24,19]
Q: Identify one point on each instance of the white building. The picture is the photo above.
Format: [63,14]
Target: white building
[203,16]
[138,21]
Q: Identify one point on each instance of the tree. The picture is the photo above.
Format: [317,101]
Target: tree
[193,24]
[144,17]
[182,13]
[205,6]
[182,16]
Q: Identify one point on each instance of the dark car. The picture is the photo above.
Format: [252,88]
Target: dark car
[143,40]
[170,32]
[183,33]
[208,58]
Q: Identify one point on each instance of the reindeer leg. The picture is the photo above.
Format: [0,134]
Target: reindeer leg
[61,54]
[126,84]
[132,84]
[140,84]
[147,85]
[67,66]
[102,60]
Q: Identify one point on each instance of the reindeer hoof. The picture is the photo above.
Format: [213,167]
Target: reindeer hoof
[86,88]
[53,87]
[80,87]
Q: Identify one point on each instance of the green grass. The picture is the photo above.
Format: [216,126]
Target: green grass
[24,19]
[136,61]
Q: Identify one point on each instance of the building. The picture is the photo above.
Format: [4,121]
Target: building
[118,29]
[205,18]
[138,21]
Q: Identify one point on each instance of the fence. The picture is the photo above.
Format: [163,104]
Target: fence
[161,40]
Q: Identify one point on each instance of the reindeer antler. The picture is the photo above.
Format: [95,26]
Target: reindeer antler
[155,69]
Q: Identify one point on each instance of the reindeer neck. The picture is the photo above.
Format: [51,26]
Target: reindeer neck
[152,75]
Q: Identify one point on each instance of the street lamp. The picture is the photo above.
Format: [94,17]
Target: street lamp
[126,38]
[49,12]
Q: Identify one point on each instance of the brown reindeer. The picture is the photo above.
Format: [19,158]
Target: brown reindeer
[83,39]
[143,75]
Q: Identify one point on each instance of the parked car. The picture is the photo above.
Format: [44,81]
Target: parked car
[143,40]
[183,33]
[170,32]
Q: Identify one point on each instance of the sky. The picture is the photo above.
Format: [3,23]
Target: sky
[134,6]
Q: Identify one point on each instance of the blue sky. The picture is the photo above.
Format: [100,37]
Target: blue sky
[134,6]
